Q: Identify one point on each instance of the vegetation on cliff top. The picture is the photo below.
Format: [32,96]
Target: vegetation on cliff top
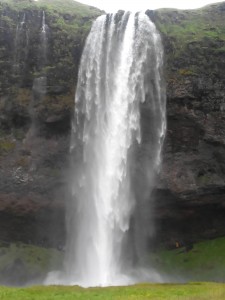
[193,25]
[192,36]
[69,7]
[67,15]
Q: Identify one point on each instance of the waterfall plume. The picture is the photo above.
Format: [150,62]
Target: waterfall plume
[114,161]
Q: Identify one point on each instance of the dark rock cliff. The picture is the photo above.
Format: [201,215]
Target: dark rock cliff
[190,200]
[36,103]
[40,47]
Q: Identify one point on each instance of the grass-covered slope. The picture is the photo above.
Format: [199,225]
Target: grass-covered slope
[70,7]
[195,291]
[71,16]
[193,25]
[204,261]
[194,40]
[21,263]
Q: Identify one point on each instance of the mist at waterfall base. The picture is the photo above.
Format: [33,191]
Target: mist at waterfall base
[117,136]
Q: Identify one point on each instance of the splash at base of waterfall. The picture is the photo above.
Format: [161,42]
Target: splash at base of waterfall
[133,277]
[114,161]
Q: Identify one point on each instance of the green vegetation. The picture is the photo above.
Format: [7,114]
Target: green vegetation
[205,261]
[191,37]
[6,146]
[69,6]
[192,25]
[186,72]
[68,24]
[7,22]
[192,291]
[29,260]
[56,104]
[68,15]
[23,97]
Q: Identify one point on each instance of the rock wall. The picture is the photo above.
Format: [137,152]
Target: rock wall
[190,200]
[41,44]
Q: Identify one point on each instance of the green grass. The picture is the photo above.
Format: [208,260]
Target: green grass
[192,25]
[67,15]
[186,32]
[33,259]
[61,6]
[32,256]
[192,291]
[206,261]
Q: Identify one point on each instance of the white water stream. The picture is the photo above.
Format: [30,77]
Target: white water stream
[119,72]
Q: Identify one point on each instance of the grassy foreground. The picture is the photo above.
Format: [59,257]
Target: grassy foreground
[191,291]
[205,262]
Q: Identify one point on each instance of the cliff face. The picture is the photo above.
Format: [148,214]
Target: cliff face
[190,201]
[41,44]
[40,47]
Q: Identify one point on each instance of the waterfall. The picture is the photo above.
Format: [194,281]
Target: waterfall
[21,46]
[40,83]
[119,72]
[44,39]
[114,157]
[39,87]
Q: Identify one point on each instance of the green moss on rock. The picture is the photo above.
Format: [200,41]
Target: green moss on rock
[186,72]
[6,146]
[23,97]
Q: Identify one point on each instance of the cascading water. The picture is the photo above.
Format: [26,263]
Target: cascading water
[44,39]
[40,83]
[21,46]
[39,87]
[119,77]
